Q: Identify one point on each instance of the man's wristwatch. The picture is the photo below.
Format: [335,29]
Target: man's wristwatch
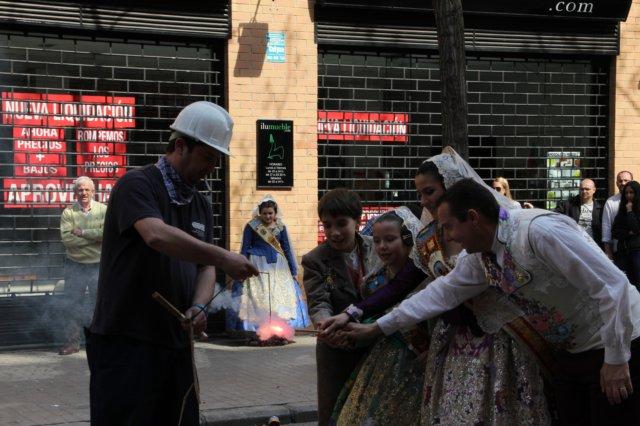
[354,313]
[200,306]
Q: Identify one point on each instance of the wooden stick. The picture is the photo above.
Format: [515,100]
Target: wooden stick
[196,381]
[168,306]
[305,331]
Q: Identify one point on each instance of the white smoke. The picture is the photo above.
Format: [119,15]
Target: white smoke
[223,300]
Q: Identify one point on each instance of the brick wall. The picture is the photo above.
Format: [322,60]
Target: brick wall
[262,90]
[626,152]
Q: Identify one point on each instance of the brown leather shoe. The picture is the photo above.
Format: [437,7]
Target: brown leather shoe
[69,349]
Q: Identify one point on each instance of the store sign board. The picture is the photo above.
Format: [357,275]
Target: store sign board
[274,153]
[594,9]
[603,9]
[276,48]
[363,126]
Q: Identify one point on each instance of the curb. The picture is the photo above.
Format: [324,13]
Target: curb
[257,415]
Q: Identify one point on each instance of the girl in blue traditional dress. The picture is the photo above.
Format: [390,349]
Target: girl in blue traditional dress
[275,291]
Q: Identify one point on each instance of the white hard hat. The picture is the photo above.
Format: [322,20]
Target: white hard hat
[206,122]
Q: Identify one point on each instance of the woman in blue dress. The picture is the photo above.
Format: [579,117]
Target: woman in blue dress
[275,291]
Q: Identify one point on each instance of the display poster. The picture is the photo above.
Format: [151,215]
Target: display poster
[353,126]
[53,134]
[274,154]
[276,47]
[563,176]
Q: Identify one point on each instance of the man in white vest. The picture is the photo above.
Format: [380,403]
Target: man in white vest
[576,302]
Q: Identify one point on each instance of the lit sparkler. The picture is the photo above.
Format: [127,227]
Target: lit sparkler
[274,327]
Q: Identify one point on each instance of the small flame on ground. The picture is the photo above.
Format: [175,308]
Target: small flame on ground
[275,326]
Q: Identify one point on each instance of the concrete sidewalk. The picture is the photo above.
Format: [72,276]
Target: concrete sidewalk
[239,385]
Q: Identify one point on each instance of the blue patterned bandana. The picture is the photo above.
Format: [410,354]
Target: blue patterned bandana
[179,192]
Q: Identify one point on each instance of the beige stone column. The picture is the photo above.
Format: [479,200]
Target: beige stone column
[626,152]
[258,89]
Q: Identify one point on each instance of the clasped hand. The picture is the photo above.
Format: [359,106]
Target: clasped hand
[331,331]
[337,331]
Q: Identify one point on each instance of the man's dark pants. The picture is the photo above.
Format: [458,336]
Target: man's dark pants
[334,366]
[135,383]
[580,400]
[78,310]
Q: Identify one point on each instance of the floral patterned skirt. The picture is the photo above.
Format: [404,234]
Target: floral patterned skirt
[386,389]
[486,380]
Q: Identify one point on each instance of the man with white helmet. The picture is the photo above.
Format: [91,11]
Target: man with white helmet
[158,236]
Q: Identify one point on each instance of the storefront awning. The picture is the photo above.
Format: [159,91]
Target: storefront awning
[536,26]
[616,10]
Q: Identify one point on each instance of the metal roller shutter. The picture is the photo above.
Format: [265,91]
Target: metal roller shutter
[209,19]
[415,37]
[522,110]
[159,79]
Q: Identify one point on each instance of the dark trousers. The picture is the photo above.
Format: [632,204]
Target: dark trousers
[78,305]
[631,261]
[134,383]
[619,259]
[334,366]
[579,398]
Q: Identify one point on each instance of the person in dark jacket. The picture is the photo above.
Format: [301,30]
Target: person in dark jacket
[333,274]
[626,229]
[585,210]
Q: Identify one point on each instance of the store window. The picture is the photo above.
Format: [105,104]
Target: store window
[76,106]
[540,122]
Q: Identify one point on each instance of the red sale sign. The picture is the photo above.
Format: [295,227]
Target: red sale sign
[62,110]
[93,135]
[40,148]
[38,140]
[39,164]
[363,126]
[101,166]
[103,189]
[107,112]
[48,193]
[102,153]
[35,109]
[25,109]
[38,133]
[22,193]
